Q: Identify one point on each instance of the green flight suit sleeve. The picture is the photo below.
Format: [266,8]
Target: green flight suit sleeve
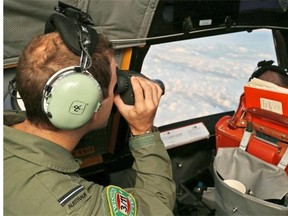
[154,191]
[154,188]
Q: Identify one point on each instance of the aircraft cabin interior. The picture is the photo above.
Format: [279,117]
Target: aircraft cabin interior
[193,137]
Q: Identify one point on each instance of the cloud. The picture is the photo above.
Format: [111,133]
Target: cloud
[205,76]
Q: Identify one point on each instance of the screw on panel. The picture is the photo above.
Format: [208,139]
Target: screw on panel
[179,164]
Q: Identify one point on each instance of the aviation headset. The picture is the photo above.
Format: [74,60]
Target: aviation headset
[264,66]
[72,95]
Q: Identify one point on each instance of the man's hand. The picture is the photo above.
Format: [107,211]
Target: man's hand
[147,97]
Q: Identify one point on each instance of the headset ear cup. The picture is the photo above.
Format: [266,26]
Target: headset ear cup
[73,99]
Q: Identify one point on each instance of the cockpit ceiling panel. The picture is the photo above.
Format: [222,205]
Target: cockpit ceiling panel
[121,21]
[132,23]
[174,17]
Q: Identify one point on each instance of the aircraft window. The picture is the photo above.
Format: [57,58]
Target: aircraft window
[205,76]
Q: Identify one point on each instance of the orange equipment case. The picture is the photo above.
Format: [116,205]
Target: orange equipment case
[269,132]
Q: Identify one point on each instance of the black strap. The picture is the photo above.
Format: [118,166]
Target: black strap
[70,25]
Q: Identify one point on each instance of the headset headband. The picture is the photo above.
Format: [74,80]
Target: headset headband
[74,28]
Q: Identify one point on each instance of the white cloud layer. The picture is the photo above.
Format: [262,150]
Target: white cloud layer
[205,76]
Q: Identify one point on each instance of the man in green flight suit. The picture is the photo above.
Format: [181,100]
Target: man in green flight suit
[39,170]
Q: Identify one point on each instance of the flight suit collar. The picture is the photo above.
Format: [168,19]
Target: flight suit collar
[35,149]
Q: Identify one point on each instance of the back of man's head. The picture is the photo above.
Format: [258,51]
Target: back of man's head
[44,56]
[40,59]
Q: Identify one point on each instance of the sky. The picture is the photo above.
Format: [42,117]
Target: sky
[205,76]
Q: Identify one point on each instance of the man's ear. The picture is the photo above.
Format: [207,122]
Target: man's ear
[95,116]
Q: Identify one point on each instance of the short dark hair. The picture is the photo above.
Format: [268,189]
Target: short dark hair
[274,77]
[45,55]
[272,73]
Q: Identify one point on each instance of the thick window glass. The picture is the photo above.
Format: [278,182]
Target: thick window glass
[205,76]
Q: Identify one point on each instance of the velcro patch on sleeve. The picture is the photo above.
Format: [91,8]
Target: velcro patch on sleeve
[69,194]
[120,202]
[74,198]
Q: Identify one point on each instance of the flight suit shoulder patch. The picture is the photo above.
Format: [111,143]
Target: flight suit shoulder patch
[120,202]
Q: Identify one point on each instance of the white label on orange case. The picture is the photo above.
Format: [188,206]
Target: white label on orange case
[271,105]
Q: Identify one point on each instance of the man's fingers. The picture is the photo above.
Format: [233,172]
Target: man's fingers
[138,90]
[150,92]
[147,96]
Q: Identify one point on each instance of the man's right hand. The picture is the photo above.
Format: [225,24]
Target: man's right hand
[140,116]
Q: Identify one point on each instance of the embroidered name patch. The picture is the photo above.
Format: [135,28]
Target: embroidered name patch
[120,202]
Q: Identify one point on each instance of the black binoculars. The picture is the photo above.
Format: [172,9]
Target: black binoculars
[124,87]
